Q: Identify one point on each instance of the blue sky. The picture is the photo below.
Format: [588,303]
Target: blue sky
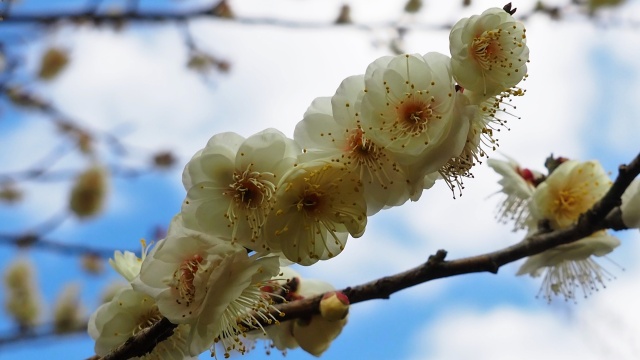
[580,103]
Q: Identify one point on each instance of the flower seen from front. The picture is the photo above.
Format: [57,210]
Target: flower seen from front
[318,204]
[331,130]
[231,185]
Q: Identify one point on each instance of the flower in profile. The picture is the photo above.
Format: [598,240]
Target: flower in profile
[569,267]
[128,313]
[331,130]
[231,185]
[484,127]
[128,264]
[518,184]
[317,204]
[210,284]
[489,53]
[570,190]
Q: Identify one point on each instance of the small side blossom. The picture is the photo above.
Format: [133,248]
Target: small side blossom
[231,185]
[210,284]
[489,53]
[569,267]
[518,184]
[317,204]
[128,313]
[571,189]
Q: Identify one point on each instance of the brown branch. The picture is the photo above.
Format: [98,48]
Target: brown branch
[27,240]
[41,333]
[134,14]
[159,16]
[600,216]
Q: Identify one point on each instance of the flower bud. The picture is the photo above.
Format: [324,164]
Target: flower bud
[53,62]
[88,193]
[9,193]
[334,306]
[92,263]
[68,314]
[630,207]
[22,300]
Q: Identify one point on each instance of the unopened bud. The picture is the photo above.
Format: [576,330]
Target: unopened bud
[413,6]
[53,62]
[630,207]
[334,306]
[89,192]
[68,314]
[551,163]
[93,264]
[9,193]
[164,159]
[223,10]
[85,142]
[22,299]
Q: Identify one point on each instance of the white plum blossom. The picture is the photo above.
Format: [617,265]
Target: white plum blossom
[411,107]
[518,184]
[231,185]
[124,316]
[483,130]
[570,190]
[570,266]
[331,130]
[318,204]
[489,53]
[210,284]
[630,207]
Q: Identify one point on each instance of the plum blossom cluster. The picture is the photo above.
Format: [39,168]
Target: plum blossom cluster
[555,201]
[254,204]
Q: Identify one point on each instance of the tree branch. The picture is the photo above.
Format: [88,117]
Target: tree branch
[600,216]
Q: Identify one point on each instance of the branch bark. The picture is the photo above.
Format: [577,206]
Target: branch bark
[604,214]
